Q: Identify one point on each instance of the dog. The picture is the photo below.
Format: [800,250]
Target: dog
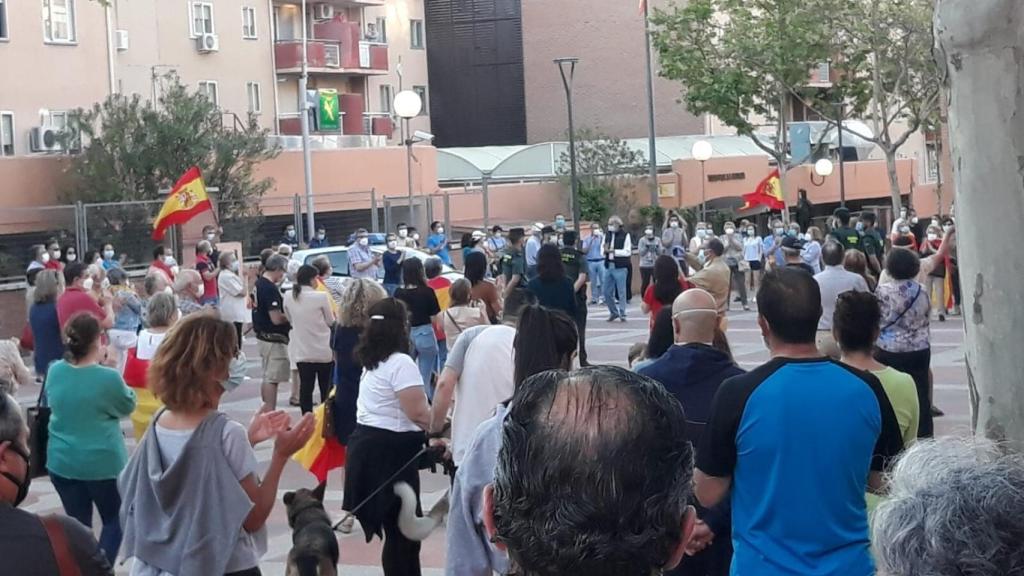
[314,548]
[413,526]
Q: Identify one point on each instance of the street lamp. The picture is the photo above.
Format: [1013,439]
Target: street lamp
[408,105]
[702,152]
[573,184]
[823,168]
[307,159]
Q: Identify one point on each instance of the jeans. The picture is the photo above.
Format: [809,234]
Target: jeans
[390,289]
[78,498]
[615,280]
[310,373]
[424,345]
[442,354]
[595,275]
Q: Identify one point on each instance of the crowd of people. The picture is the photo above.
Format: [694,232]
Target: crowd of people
[685,464]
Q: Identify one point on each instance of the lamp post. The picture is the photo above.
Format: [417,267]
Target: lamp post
[651,136]
[307,159]
[702,152]
[573,184]
[408,105]
[823,168]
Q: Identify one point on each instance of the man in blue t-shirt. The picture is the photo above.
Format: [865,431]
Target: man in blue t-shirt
[437,243]
[798,441]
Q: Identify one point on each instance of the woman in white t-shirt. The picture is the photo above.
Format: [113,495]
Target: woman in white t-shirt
[232,288]
[391,415]
[162,313]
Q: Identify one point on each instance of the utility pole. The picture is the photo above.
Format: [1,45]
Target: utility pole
[652,144]
[307,158]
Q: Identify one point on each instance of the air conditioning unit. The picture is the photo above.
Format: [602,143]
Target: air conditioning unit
[332,56]
[45,139]
[323,12]
[207,43]
[121,40]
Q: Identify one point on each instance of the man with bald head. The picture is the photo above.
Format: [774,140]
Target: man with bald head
[692,371]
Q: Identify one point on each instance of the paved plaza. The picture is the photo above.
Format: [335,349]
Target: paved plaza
[607,343]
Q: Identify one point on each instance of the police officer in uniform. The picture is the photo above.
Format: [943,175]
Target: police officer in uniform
[572,260]
[844,234]
[513,262]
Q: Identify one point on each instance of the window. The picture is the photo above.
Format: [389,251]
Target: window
[202,19]
[59,20]
[382,29]
[208,88]
[416,34]
[3,20]
[56,119]
[422,91]
[6,134]
[387,97]
[249,22]
[252,89]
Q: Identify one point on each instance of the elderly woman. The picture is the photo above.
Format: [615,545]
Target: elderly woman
[233,290]
[152,285]
[162,313]
[127,314]
[956,507]
[188,287]
[42,318]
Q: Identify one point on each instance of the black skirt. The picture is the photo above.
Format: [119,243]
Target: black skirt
[372,457]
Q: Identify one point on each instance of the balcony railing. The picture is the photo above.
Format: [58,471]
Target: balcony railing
[332,57]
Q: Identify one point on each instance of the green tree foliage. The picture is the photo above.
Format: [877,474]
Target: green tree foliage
[604,166]
[131,150]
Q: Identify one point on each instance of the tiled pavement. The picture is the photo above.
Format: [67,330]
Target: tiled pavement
[608,343]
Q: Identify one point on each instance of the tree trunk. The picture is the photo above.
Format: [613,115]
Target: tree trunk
[894,179]
[983,44]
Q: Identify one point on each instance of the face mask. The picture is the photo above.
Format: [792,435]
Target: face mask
[903,214]
[730,231]
[234,266]
[860,226]
[321,236]
[702,232]
[613,228]
[45,257]
[290,233]
[364,241]
[807,237]
[392,245]
[649,233]
[71,257]
[402,232]
[751,231]
[416,236]
[947,228]
[108,254]
[673,224]
[87,284]
[440,230]
[169,260]
[236,373]
[560,222]
[792,233]
[779,231]
[913,220]
[210,237]
[933,237]
[22,484]
[596,232]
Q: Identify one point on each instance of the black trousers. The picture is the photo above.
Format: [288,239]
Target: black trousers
[238,331]
[645,279]
[249,572]
[916,364]
[629,282]
[401,556]
[581,325]
[311,373]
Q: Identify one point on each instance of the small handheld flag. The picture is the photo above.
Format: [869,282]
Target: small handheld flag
[187,199]
[768,193]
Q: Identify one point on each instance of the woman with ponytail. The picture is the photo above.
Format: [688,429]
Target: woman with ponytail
[545,340]
[311,316]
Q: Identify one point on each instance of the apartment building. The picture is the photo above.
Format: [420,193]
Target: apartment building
[246,55]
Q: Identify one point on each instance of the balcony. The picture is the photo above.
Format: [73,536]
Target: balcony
[333,57]
[353,120]
[378,124]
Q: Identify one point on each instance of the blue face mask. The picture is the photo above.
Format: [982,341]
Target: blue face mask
[860,226]
[236,373]
[791,232]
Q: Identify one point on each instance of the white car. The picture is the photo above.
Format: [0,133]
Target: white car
[338,256]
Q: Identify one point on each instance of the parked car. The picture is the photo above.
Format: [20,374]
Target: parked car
[338,256]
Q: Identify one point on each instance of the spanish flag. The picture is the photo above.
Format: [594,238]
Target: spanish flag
[187,199]
[320,455]
[768,193]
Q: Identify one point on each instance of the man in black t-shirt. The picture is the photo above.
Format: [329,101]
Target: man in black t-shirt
[272,328]
[874,247]
[848,237]
[576,272]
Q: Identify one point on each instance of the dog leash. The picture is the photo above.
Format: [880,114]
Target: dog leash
[384,485]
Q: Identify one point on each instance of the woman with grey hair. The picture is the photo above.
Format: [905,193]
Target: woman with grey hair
[956,507]
[127,314]
[233,290]
[44,322]
[188,287]
[162,311]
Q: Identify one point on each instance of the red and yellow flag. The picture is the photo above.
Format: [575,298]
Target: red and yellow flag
[768,193]
[187,199]
[321,455]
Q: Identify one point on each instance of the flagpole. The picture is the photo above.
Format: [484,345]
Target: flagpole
[307,159]
[652,144]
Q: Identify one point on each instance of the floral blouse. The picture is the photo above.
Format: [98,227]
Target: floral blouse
[909,332]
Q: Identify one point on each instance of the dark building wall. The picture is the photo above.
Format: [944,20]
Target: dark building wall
[475,65]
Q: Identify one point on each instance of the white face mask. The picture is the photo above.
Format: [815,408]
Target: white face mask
[933,237]
[71,257]
[169,260]
[402,232]
[913,220]
[730,231]
[947,228]
[234,266]
[780,231]
[440,230]
[392,245]
[56,255]
[108,254]
[290,233]
[673,224]
[807,237]
[321,236]
[751,232]
[87,284]
[210,237]
[45,257]
[364,241]
[649,233]
[416,236]
[612,228]
[701,232]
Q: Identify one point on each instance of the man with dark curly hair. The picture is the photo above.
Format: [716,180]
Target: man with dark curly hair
[594,476]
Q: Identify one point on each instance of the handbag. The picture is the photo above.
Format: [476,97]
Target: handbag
[905,310]
[38,420]
[26,341]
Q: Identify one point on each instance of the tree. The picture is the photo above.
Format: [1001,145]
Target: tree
[885,72]
[743,61]
[604,165]
[980,44]
[133,149]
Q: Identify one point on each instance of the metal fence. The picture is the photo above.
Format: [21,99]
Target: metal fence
[23,228]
